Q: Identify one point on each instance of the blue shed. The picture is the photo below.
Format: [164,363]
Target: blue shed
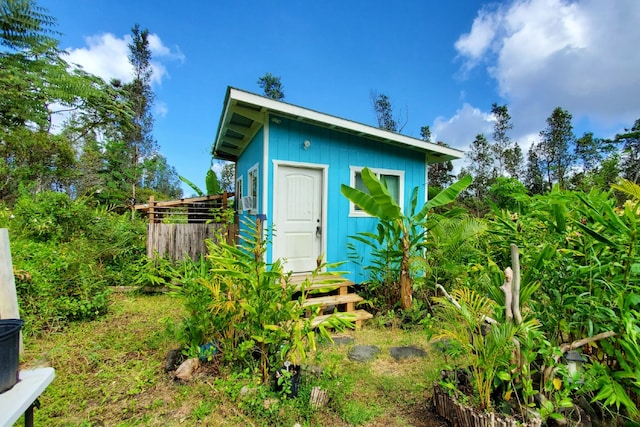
[290,163]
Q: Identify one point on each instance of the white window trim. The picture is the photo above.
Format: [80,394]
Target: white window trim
[377,171]
[253,171]
[239,193]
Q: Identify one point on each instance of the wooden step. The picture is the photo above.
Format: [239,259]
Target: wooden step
[325,280]
[325,301]
[358,317]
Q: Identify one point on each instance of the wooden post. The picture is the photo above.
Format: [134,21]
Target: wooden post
[151,205]
[8,295]
[515,266]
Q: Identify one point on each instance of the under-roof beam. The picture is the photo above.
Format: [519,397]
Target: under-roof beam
[242,130]
[254,115]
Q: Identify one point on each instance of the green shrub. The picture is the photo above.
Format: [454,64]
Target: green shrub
[248,308]
[66,254]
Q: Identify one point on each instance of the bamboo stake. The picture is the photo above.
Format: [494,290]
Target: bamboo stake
[515,265]
[457,305]
[507,288]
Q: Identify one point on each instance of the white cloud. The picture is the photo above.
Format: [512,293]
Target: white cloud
[475,44]
[161,109]
[106,55]
[580,55]
[460,130]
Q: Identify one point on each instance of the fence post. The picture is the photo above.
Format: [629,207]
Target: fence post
[152,203]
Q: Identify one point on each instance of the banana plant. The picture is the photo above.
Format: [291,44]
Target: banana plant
[379,203]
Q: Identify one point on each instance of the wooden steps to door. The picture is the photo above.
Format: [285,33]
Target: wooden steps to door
[360,316]
[329,300]
[331,290]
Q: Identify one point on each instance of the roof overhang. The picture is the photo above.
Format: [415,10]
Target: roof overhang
[244,113]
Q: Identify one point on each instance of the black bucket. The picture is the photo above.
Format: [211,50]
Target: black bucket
[9,352]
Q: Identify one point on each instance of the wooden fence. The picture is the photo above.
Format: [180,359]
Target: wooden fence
[177,241]
[179,228]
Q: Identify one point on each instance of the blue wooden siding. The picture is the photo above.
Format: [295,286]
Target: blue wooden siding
[339,151]
[254,153]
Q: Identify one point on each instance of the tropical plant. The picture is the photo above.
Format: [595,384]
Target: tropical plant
[453,242]
[400,233]
[250,310]
[582,251]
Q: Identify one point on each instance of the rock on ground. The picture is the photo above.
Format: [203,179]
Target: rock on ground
[186,370]
[363,353]
[408,352]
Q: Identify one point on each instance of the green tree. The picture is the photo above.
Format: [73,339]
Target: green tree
[480,166]
[555,147]
[630,152]
[440,174]
[139,138]
[513,161]
[33,79]
[587,151]
[502,142]
[425,133]
[160,178]
[507,193]
[534,179]
[384,113]
[271,86]
[228,176]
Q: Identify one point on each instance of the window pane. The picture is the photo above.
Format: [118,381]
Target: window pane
[393,185]
[359,186]
[360,183]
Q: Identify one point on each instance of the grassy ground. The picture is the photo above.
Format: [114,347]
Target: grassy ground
[109,372]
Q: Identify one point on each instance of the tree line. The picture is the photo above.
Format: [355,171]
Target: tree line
[104,149]
[501,171]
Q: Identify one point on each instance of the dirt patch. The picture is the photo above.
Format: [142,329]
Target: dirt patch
[418,415]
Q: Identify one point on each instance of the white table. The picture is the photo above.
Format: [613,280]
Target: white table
[19,400]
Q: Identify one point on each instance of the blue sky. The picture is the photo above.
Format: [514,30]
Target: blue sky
[442,63]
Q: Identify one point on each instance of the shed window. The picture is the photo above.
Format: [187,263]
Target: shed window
[239,193]
[394,180]
[253,189]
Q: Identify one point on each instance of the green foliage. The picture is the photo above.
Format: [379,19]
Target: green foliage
[630,140]
[507,193]
[487,349]
[156,272]
[581,250]
[191,185]
[271,86]
[68,253]
[384,112]
[452,244]
[36,83]
[249,309]
[555,147]
[213,185]
[399,236]
[481,167]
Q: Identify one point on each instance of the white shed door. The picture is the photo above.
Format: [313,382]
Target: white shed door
[298,218]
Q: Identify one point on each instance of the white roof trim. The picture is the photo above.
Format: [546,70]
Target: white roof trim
[284,108]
